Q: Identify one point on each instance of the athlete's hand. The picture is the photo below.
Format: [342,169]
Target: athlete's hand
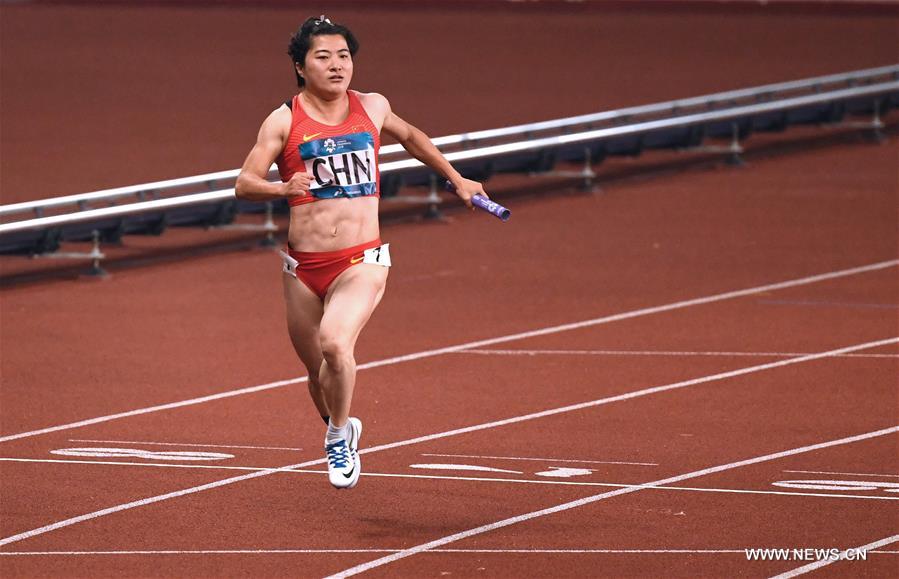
[466,189]
[298,186]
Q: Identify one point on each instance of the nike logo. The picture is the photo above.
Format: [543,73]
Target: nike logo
[355,260]
[307,137]
[350,475]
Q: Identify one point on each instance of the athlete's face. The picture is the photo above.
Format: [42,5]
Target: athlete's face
[329,65]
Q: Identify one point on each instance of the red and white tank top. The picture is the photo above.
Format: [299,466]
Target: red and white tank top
[342,160]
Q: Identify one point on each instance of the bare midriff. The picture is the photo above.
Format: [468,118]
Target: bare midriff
[333,224]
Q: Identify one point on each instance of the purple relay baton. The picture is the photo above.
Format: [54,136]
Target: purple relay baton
[487,205]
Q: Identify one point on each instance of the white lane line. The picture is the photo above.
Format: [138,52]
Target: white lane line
[183,444]
[150,409]
[602,496]
[477,344]
[429,437]
[839,485]
[265,469]
[456,551]
[465,467]
[841,495]
[195,552]
[541,459]
[326,551]
[824,562]
[843,473]
[141,453]
[657,353]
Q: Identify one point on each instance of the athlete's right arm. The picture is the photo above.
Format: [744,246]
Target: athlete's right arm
[251,182]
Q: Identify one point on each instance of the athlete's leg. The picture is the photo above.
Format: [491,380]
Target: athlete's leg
[351,299]
[304,314]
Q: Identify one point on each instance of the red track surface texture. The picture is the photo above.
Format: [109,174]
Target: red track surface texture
[642,382]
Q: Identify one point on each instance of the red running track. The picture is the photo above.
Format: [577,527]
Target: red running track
[727,398]
[723,336]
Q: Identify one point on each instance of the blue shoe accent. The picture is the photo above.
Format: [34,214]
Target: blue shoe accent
[338,454]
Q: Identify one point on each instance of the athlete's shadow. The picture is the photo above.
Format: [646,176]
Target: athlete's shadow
[446,513]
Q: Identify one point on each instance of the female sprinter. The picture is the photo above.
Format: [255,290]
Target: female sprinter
[325,141]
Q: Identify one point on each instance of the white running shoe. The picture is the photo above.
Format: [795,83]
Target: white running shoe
[343,458]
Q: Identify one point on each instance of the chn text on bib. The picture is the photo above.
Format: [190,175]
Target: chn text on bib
[342,166]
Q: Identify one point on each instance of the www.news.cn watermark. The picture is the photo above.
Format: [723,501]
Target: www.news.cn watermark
[806,554]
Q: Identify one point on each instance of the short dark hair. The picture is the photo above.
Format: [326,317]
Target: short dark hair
[301,41]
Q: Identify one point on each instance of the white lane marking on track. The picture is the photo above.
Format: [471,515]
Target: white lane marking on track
[183,444]
[602,496]
[150,409]
[477,344]
[842,473]
[164,465]
[467,479]
[656,353]
[824,562]
[471,467]
[541,459]
[457,551]
[564,472]
[429,437]
[839,485]
[138,453]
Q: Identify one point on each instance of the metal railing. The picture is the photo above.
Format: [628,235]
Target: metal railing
[490,144]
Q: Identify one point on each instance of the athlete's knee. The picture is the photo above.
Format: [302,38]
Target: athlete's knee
[337,350]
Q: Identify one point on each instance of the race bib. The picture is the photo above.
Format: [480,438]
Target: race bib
[341,166]
[290,264]
[377,255]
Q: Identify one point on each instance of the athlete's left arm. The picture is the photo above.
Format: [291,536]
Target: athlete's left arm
[420,146]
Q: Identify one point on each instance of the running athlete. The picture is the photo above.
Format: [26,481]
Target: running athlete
[325,141]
